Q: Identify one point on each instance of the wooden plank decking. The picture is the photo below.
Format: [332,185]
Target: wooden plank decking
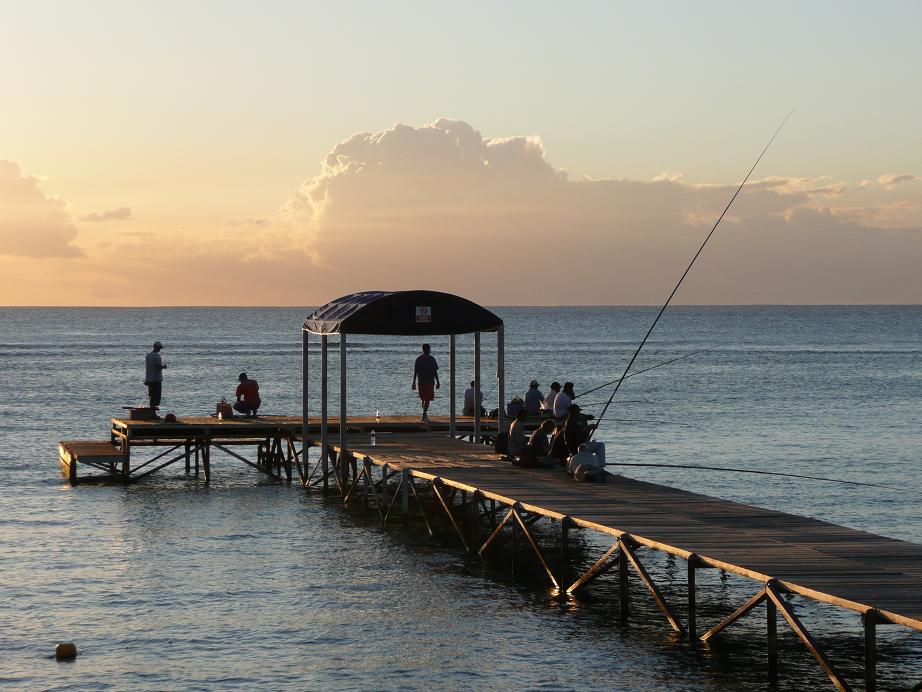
[829,563]
[253,426]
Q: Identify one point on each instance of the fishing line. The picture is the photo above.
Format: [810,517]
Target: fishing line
[637,372]
[761,473]
[684,274]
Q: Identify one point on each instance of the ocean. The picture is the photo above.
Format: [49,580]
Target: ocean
[249,583]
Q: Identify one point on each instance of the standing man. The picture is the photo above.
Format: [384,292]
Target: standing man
[153,374]
[426,370]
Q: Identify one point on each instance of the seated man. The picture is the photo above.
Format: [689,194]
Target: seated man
[533,398]
[538,448]
[517,433]
[467,408]
[247,396]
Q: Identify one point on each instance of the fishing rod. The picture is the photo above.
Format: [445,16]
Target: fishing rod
[761,473]
[684,274]
[637,372]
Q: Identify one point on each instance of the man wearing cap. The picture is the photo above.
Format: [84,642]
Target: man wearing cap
[533,399]
[153,374]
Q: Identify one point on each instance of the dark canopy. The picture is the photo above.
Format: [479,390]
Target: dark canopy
[401,313]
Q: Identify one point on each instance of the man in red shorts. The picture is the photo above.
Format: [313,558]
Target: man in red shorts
[426,371]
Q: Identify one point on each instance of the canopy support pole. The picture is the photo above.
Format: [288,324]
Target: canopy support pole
[324,440]
[476,387]
[501,375]
[305,377]
[451,387]
[343,470]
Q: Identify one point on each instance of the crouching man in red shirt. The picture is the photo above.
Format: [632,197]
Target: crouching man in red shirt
[247,396]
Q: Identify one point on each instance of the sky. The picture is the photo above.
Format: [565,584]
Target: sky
[518,153]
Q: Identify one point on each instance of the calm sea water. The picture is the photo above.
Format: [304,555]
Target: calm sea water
[249,583]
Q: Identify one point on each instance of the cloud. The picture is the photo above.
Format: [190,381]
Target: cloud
[247,223]
[896,178]
[32,224]
[120,214]
[440,205]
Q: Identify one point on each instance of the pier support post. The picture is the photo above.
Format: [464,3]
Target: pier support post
[324,438]
[206,458]
[452,405]
[565,539]
[771,613]
[870,619]
[623,595]
[343,423]
[305,383]
[188,455]
[476,387]
[692,617]
[405,494]
[500,376]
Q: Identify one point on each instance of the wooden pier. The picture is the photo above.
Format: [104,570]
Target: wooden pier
[417,468]
[190,439]
[879,578]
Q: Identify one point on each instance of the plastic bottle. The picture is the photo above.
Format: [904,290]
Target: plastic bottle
[373,438]
[377,416]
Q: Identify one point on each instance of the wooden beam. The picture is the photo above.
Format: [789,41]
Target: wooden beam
[735,615]
[393,500]
[422,509]
[593,572]
[495,533]
[651,586]
[534,546]
[812,646]
[451,517]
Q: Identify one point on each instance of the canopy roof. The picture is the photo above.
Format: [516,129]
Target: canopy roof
[401,313]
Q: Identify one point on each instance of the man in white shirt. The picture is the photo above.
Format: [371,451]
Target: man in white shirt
[467,408]
[153,374]
[548,405]
[563,400]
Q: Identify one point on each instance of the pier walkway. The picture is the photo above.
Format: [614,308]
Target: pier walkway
[878,577]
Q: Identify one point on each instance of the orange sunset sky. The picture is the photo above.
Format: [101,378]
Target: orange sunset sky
[516,153]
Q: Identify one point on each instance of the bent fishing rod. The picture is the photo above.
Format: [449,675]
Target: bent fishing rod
[684,274]
[637,372]
[760,473]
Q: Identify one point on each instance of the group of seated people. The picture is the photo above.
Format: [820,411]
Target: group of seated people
[556,438]
[556,403]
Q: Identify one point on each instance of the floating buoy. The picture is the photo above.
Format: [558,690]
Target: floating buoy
[65,651]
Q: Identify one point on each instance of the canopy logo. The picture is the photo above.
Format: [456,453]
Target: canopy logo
[423,313]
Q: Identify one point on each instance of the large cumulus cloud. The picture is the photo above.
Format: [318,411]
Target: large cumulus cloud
[442,206]
[32,224]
